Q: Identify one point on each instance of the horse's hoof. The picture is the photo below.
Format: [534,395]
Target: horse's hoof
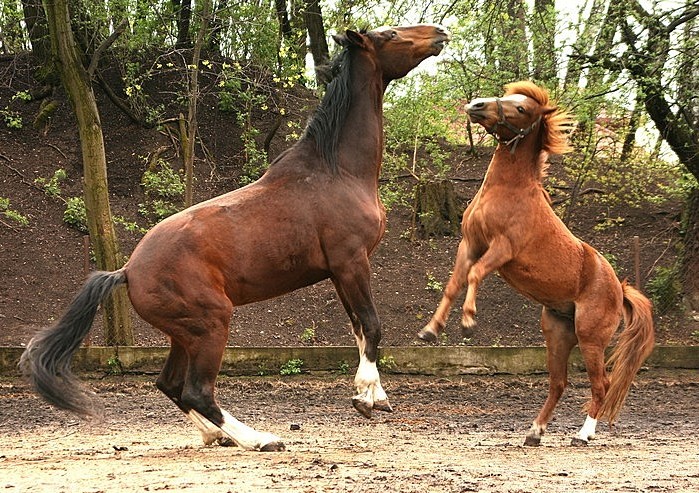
[226,442]
[532,441]
[427,335]
[275,446]
[578,442]
[383,406]
[362,406]
[468,332]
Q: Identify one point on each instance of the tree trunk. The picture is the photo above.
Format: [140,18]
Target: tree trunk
[188,143]
[583,42]
[317,41]
[76,82]
[38,30]
[435,212]
[512,51]
[690,259]
[630,138]
[543,29]
[183,17]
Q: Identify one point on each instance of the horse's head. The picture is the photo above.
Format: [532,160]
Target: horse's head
[398,50]
[524,109]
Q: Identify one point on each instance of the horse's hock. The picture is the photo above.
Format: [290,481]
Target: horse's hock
[436,211]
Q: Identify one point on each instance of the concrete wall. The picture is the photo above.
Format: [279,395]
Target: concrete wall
[428,360]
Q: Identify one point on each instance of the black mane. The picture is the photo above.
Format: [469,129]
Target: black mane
[326,123]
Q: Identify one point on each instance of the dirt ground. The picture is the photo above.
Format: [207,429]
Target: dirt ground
[451,435]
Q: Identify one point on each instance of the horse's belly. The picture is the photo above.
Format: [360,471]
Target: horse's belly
[541,285]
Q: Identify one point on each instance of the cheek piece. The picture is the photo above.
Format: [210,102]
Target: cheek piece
[520,133]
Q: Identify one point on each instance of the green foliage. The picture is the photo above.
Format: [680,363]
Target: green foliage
[665,288]
[13,120]
[291,367]
[343,368]
[130,226]
[433,284]
[164,189]
[52,186]
[114,366]
[418,115]
[308,335]
[387,363]
[75,214]
[135,80]
[11,213]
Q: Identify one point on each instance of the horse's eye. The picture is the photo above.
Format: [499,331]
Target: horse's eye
[520,109]
[394,34]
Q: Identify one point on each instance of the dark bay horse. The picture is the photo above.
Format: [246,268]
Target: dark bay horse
[510,226]
[315,214]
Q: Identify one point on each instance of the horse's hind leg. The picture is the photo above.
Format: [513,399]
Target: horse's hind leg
[171,381]
[559,333]
[455,285]
[594,336]
[205,354]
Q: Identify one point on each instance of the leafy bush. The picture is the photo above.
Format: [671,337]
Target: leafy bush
[291,367]
[164,189]
[75,214]
[11,213]
[52,186]
[665,288]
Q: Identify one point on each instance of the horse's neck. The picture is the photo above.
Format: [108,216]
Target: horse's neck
[516,170]
[361,145]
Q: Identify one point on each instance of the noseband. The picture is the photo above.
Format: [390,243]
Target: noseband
[520,133]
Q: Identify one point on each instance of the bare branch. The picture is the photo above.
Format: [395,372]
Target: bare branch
[104,46]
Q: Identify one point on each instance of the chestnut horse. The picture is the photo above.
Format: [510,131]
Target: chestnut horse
[510,226]
[315,214]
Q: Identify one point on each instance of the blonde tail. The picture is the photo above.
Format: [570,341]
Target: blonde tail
[635,344]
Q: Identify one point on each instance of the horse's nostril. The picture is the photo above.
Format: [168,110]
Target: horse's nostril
[477,105]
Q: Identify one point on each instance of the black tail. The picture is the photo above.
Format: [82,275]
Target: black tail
[46,361]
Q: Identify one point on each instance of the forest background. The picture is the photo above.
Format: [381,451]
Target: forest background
[626,69]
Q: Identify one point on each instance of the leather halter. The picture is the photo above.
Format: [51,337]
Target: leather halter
[520,133]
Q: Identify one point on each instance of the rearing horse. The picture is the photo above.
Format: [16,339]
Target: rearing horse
[315,214]
[510,226]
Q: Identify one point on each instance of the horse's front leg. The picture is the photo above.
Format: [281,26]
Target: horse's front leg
[457,281]
[353,288]
[499,252]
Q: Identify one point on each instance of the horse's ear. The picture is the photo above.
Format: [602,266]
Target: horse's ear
[353,37]
[349,38]
[548,110]
[340,39]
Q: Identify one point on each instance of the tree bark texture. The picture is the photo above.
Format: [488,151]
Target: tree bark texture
[690,259]
[118,329]
[317,41]
[435,212]
[543,29]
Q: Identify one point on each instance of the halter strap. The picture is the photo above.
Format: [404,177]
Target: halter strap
[520,133]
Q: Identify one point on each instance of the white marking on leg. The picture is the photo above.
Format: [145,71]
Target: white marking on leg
[209,431]
[366,379]
[537,430]
[245,436]
[587,432]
